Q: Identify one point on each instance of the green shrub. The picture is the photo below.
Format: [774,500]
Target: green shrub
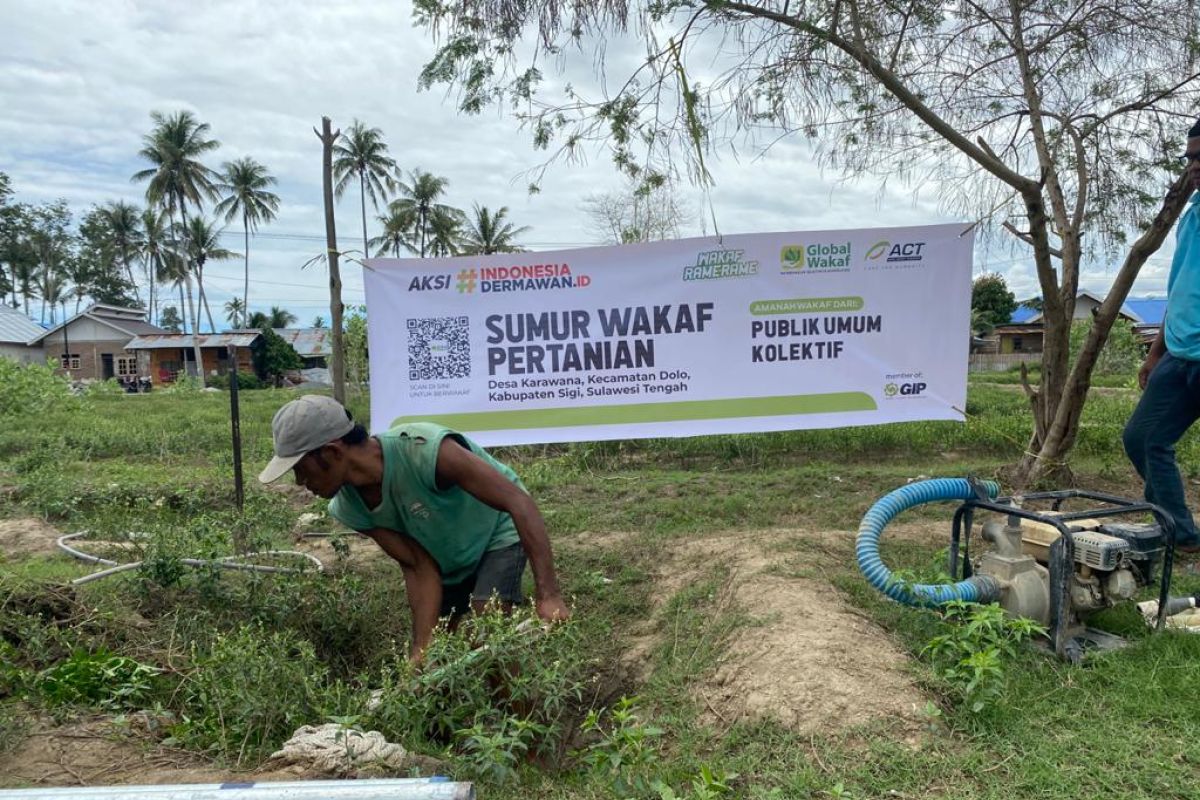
[32,389]
[971,654]
[246,380]
[97,679]
[500,688]
[106,388]
[249,692]
[624,753]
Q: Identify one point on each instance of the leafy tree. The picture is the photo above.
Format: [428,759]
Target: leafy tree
[53,245]
[17,251]
[177,179]
[490,233]
[7,283]
[645,211]
[357,365]
[992,300]
[318,322]
[95,270]
[1034,303]
[1046,120]
[171,320]
[245,184]
[1122,354]
[275,357]
[360,152]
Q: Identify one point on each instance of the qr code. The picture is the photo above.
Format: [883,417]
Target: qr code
[439,348]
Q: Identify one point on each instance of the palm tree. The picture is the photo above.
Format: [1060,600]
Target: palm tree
[125,227]
[234,311]
[418,199]
[490,233]
[278,318]
[445,231]
[244,183]
[173,269]
[154,244]
[361,152]
[203,245]
[177,179]
[398,225]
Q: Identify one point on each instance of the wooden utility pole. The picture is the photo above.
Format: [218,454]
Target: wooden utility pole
[337,360]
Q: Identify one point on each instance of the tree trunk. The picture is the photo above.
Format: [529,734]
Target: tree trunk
[246,279]
[1058,427]
[337,366]
[187,256]
[204,298]
[362,202]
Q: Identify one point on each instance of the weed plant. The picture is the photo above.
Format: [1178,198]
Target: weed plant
[502,690]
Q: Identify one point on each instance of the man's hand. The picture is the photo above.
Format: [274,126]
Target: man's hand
[552,609]
[1147,367]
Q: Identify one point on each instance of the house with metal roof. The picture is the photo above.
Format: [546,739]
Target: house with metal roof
[1022,334]
[314,345]
[16,331]
[91,344]
[169,355]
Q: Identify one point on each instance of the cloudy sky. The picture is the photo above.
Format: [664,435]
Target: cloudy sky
[78,81]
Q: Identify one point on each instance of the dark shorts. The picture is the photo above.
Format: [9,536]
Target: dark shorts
[499,573]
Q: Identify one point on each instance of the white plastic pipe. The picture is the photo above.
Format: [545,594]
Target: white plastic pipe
[382,789]
[227,562]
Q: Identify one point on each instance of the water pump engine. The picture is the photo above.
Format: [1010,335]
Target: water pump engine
[1043,562]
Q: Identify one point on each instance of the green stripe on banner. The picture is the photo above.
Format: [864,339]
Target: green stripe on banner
[806,305]
[575,416]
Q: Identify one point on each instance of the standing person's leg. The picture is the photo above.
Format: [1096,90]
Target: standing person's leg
[1169,406]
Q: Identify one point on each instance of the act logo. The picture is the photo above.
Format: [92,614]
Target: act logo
[878,249]
[429,283]
[897,254]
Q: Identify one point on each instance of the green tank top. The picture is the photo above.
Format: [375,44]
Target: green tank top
[455,528]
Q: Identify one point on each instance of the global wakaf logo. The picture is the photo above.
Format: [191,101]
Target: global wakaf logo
[824,257]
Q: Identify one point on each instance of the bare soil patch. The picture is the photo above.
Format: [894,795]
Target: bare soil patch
[25,536]
[809,660]
[97,752]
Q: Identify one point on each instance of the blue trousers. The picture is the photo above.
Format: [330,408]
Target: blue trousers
[1169,406]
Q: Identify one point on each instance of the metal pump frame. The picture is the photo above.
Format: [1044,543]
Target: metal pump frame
[1062,551]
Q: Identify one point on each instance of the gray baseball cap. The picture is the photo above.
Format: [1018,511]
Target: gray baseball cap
[302,425]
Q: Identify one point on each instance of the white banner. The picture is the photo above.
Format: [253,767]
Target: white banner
[756,332]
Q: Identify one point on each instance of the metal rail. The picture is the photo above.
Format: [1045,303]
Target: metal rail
[382,789]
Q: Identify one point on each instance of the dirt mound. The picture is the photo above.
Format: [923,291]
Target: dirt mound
[24,536]
[98,752]
[812,661]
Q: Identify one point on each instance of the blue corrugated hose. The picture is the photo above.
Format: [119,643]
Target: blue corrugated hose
[978,589]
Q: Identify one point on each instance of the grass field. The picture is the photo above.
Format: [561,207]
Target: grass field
[278,652]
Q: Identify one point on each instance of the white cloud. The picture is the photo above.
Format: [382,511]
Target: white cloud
[79,79]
